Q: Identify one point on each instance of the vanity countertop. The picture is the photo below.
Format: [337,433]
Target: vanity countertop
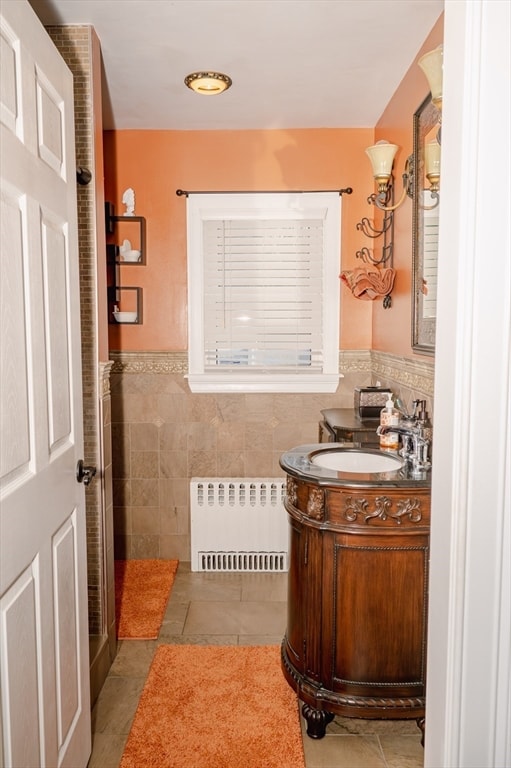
[346,418]
[298,463]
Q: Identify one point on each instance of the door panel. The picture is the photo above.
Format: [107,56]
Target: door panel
[54,256]
[14,435]
[67,648]
[9,100]
[50,122]
[21,661]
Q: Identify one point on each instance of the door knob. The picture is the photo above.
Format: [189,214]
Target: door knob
[84,474]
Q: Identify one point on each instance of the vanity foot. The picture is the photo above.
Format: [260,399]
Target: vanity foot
[421,723]
[317,721]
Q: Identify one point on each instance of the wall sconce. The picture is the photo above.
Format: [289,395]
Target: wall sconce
[382,156]
[432,171]
[432,64]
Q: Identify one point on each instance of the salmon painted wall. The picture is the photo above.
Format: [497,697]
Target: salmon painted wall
[156,163]
[392,327]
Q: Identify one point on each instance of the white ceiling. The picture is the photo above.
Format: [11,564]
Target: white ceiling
[294,63]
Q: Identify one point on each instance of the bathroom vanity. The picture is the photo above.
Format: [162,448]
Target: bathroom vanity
[355,643]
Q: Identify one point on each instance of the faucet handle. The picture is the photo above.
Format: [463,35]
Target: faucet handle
[421,444]
[407,450]
[422,460]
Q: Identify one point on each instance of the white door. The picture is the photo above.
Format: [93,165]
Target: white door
[44,664]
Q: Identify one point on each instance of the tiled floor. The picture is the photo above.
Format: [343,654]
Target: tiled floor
[239,609]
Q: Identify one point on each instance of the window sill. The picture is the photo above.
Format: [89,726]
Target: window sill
[263,382]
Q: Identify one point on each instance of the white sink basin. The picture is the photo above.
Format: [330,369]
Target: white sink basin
[357,461]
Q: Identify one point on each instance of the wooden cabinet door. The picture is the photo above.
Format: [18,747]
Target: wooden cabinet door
[295,595]
[305,600]
[377,618]
[312,575]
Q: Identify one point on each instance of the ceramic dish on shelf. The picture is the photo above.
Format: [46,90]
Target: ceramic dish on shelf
[132,255]
[125,317]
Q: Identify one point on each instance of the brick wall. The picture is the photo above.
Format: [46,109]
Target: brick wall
[76,45]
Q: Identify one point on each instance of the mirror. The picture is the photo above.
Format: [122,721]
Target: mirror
[424,232]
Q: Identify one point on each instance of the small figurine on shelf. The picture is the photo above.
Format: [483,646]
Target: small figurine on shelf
[128,198]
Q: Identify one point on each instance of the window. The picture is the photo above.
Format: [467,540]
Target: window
[263,292]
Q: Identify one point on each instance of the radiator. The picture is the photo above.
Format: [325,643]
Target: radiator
[238,524]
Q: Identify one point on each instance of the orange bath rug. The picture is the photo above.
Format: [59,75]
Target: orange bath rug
[215,707]
[142,589]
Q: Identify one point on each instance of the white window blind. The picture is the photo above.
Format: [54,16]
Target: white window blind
[263,292]
[430,237]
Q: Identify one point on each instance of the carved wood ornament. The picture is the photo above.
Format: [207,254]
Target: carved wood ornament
[316,503]
[410,508]
[292,491]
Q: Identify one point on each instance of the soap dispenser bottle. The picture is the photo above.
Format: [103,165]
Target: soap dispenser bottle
[425,422]
[389,417]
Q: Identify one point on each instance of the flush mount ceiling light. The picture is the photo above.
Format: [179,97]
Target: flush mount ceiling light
[208,83]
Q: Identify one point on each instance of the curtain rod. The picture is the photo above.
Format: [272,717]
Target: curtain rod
[184,193]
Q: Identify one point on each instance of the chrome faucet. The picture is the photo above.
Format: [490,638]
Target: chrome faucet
[415,445]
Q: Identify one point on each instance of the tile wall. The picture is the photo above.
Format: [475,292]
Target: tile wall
[163,435]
